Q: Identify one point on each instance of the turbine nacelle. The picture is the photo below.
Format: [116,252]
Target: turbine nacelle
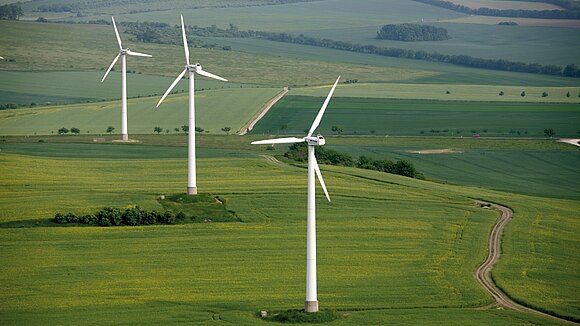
[315,140]
[193,68]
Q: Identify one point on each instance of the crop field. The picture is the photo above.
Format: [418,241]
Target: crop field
[503,4]
[516,43]
[535,167]
[76,86]
[439,92]
[215,109]
[427,240]
[297,16]
[421,118]
[489,20]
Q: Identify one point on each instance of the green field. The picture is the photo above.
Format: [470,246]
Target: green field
[74,86]
[422,118]
[427,240]
[515,43]
[439,92]
[215,109]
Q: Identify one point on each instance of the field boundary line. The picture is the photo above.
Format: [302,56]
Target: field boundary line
[483,271]
[262,112]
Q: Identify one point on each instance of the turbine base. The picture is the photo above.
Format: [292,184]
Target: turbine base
[311,306]
[192,190]
[125,137]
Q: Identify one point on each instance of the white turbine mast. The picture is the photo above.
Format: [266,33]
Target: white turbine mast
[311,304]
[123,52]
[192,70]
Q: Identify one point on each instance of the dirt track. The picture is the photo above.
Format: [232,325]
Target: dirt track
[260,114]
[482,273]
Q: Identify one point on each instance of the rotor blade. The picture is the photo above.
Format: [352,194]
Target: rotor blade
[288,140]
[319,175]
[322,109]
[129,52]
[210,75]
[111,67]
[117,33]
[185,46]
[1,58]
[172,85]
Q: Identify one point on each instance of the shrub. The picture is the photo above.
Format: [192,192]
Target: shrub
[131,216]
[109,216]
[59,218]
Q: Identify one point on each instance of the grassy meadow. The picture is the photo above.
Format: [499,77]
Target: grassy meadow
[427,240]
[215,109]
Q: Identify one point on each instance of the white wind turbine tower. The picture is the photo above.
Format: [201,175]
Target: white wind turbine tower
[123,52]
[311,304]
[192,70]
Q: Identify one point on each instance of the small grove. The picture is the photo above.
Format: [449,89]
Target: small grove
[110,216]
[298,152]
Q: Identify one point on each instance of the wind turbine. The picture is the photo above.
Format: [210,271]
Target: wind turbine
[311,304]
[123,52]
[192,70]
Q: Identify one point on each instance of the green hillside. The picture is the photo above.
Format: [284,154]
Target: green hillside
[427,240]
[215,109]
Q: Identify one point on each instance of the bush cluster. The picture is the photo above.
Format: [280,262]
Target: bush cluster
[110,216]
[299,152]
[412,32]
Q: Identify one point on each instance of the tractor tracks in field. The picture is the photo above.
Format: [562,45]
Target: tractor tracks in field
[260,114]
[483,272]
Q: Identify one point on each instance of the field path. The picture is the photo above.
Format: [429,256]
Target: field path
[483,272]
[260,114]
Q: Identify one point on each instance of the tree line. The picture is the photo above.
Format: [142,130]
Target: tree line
[10,12]
[170,34]
[299,152]
[412,32]
[573,11]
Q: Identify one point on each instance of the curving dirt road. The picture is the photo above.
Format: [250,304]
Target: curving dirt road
[482,273]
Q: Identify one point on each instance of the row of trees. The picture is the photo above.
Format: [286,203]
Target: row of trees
[10,12]
[463,60]
[299,152]
[412,32]
[573,11]
[185,129]
[73,130]
[110,216]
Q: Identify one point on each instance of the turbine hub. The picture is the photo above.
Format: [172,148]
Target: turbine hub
[193,68]
[315,140]
[124,51]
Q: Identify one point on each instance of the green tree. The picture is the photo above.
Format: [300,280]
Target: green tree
[523,93]
[549,132]
[63,131]
[158,130]
[227,130]
[75,130]
[110,129]
[337,129]
[199,130]
[185,128]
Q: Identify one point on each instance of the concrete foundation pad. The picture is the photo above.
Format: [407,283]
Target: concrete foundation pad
[311,306]
[192,190]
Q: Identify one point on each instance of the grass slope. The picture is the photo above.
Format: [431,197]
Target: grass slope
[385,243]
[76,86]
[215,109]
